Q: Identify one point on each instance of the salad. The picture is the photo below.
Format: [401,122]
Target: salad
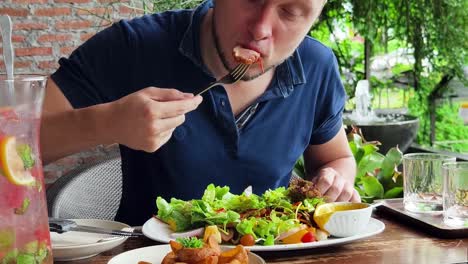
[280,216]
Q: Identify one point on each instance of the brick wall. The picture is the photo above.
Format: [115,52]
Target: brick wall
[46,30]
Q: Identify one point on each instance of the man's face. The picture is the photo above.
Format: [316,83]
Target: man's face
[274,28]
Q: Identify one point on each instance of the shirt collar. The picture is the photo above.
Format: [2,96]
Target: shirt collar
[190,44]
[289,74]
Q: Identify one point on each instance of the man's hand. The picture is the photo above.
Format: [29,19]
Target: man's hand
[146,119]
[335,187]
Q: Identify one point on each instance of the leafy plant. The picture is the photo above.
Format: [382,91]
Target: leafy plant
[377,175]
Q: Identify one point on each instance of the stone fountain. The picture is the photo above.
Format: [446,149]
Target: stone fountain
[389,129]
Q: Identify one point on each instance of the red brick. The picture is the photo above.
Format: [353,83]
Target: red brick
[30,26]
[67,50]
[16,38]
[54,38]
[33,51]
[73,25]
[63,11]
[113,1]
[30,1]
[47,65]
[128,10]
[85,36]
[18,64]
[14,11]
[94,11]
[72,1]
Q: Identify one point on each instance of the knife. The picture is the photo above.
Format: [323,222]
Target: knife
[64,225]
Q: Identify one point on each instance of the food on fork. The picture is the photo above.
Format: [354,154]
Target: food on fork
[197,251]
[247,56]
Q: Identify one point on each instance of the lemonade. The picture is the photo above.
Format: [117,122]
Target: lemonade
[24,228]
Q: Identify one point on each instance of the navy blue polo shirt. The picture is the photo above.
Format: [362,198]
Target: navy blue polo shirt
[302,106]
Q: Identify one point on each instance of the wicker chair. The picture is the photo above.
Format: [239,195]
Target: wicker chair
[91,191]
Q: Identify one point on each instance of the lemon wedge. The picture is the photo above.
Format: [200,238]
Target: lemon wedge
[11,163]
[324,211]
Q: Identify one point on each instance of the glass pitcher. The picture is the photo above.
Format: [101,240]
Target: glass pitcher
[24,228]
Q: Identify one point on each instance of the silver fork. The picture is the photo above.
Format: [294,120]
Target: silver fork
[64,225]
[235,75]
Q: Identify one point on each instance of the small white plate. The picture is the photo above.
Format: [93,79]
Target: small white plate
[155,255]
[160,231]
[79,245]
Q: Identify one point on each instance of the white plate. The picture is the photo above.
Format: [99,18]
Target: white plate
[79,245]
[155,255]
[160,231]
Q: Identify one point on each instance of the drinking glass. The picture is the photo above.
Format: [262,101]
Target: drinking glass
[456,194]
[423,182]
[24,227]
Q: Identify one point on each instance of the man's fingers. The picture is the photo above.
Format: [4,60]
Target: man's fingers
[335,190]
[167,124]
[346,194]
[324,180]
[170,109]
[165,136]
[356,198]
[162,95]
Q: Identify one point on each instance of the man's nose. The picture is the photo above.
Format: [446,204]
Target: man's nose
[261,24]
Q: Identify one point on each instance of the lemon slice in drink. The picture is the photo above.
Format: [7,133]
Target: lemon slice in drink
[12,165]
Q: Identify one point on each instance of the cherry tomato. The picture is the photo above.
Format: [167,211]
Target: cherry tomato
[247,240]
[308,237]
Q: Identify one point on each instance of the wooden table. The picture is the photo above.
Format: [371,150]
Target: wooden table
[397,244]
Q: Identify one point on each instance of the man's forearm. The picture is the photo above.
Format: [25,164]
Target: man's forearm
[68,132]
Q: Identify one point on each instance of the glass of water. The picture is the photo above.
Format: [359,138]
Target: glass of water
[456,194]
[423,182]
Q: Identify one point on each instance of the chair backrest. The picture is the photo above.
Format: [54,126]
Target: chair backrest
[91,191]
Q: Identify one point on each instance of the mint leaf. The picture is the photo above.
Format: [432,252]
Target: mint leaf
[42,253]
[26,155]
[24,258]
[190,242]
[7,238]
[24,207]
[10,256]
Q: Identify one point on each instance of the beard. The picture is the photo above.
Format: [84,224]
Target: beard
[223,56]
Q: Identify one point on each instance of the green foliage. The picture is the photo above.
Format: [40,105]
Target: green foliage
[451,133]
[449,126]
[154,6]
[435,32]
[377,175]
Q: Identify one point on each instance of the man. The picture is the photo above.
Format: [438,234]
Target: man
[113,89]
